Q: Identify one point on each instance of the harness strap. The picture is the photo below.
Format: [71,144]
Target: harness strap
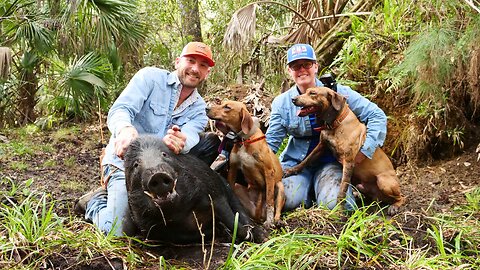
[250,141]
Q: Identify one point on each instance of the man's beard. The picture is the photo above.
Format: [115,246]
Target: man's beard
[182,76]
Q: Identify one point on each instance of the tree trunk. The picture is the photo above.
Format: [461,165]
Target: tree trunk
[27,101]
[191,28]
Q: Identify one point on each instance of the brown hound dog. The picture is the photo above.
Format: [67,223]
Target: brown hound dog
[251,154]
[345,135]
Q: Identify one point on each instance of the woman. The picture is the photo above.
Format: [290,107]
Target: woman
[319,182]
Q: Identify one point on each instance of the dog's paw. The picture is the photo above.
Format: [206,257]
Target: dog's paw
[280,224]
[259,234]
[392,210]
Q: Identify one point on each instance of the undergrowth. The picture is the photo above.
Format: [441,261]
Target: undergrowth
[32,235]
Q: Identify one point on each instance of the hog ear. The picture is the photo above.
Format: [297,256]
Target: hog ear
[247,121]
[337,100]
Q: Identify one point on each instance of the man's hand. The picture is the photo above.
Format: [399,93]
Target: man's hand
[123,140]
[359,158]
[175,139]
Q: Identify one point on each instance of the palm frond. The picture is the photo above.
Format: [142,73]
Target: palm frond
[23,23]
[82,84]
[35,33]
[241,28]
[95,23]
[312,10]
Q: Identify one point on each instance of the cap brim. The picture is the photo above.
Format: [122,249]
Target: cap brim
[302,58]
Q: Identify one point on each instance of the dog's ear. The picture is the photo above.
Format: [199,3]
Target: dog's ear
[247,121]
[337,100]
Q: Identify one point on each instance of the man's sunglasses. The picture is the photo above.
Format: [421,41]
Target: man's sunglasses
[305,65]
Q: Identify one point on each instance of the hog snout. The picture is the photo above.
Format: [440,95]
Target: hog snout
[161,184]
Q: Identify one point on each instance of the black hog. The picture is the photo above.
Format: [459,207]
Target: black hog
[171,196]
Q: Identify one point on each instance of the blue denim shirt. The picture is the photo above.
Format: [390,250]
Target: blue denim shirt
[148,104]
[285,122]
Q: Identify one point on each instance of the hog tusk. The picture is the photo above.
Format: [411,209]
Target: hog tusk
[149,194]
[174,185]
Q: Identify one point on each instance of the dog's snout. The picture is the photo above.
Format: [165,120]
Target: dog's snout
[207,109]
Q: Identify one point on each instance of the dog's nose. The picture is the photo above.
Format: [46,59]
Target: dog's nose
[294,99]
[207,109]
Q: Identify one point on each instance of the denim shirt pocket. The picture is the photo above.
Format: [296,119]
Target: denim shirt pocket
[292,124]
[154,117]
[181,120]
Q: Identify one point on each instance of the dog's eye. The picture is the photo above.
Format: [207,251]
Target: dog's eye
[227,108]
[312,93]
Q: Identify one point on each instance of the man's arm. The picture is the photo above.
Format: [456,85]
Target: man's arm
[125,108]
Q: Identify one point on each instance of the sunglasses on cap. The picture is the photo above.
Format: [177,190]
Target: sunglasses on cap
[305,65]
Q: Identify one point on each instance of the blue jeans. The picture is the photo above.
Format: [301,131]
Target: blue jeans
[109,211]
[319,184]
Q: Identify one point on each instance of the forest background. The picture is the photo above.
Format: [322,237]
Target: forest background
[63,63]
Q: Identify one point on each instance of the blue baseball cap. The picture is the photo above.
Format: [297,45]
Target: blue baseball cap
[300,51]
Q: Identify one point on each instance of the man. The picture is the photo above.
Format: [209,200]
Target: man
[320,182]
[157,102]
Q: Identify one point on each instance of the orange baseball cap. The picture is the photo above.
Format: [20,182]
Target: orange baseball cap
[200,49]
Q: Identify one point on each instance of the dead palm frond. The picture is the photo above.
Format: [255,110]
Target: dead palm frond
[5,61]
[314,22]
[241,28]
[311,10]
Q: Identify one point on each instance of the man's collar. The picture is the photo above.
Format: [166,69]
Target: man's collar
[173,78]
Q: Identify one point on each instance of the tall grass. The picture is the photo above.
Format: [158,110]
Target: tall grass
[368,240]
[32,234]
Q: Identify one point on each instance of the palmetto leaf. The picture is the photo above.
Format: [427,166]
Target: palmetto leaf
[82,85]
[36,34]
[90,79]
[95,23]
[23,23]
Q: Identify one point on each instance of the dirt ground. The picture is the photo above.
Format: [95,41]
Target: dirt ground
[437,187]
